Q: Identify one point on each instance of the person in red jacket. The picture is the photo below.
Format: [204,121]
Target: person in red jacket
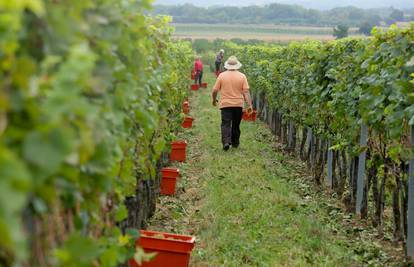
[198,69]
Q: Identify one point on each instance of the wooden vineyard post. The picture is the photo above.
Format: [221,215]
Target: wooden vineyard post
[361,168]
[290,137]
[313,151]
[253,100]
[410,220]
[309,137]
[330,157]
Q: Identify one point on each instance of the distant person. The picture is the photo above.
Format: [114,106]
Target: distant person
[219,60]
[234,92]
[198,69]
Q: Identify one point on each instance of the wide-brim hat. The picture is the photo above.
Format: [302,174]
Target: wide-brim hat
[232,63]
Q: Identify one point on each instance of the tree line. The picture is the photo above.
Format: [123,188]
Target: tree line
[282,14]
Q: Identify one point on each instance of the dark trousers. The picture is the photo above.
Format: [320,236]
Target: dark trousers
[230,125]
[198,77]
[218,65]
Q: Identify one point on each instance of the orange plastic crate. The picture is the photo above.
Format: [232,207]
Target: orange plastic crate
[249,117]
[169,180]
[188,122]
[172,250]
[186,107]
[178,151]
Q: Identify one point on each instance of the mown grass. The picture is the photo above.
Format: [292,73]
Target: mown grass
[250,214]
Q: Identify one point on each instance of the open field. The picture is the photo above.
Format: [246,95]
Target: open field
[262,32]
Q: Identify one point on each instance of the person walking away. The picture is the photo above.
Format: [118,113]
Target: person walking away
[198,68]
[219,60]
[234,92]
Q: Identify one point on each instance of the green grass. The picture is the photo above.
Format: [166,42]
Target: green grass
[242,205]
[249,213]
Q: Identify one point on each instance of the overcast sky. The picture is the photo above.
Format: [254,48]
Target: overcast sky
[319,4]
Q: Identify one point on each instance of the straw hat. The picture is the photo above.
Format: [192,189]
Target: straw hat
[232,63]
[221,50]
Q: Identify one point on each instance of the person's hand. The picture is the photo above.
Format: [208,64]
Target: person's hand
[250,110]
[214,102]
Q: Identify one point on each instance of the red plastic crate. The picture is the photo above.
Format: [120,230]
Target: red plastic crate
[188,122]
[204,85]
[178,151]
[194,87]
[172,250]
[186,107]
[169,180]
[249,117]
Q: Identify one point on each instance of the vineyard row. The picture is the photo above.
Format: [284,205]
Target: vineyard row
[91,93]
[346,108]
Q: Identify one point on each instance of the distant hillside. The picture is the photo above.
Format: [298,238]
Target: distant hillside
[317,4]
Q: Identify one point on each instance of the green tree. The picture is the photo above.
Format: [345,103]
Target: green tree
[201,45]
[237,41]
[366,28]
[340,31]
[396,15]
[272,13]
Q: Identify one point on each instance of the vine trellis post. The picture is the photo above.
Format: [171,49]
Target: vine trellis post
[410,220]
[361,168]
[309,137]
[330,167]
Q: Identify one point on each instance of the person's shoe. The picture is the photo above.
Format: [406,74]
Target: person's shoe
[226,147]
[235,145]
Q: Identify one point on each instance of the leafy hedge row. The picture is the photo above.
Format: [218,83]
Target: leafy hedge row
[328,90]
[90,95]
[333,86]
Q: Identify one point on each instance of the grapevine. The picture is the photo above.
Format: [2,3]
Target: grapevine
[328,91]
[90,96]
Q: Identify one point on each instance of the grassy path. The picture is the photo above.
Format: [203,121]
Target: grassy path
[241,205]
